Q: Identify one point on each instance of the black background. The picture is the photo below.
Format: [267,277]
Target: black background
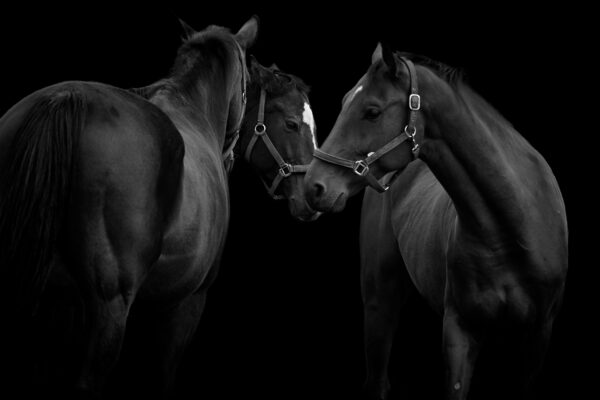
[284,318]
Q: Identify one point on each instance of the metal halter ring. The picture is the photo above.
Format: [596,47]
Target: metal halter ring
[260,128]
[410,134]
[285,170]
[361,168]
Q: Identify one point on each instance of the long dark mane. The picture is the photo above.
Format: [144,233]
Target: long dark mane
[457,79]
[278,83]
[452,75]
[202,54]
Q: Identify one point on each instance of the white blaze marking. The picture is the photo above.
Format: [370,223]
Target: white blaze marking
[307,117]
[358,89]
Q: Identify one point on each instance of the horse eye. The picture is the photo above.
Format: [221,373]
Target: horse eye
[291,125]
[372,114]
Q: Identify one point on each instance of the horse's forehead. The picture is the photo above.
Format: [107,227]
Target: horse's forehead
[372,84]
[291,102]
[353,93]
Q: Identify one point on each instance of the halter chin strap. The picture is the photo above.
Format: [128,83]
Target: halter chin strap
[260,131]
[228,155]
[362,167]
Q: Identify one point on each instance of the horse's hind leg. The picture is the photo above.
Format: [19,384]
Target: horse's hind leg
[114,237]
[461,348]
[167,333]
[385,287]
[113,260]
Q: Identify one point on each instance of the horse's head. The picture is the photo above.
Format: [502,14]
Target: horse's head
[278,135]
[217,51]
[376,132]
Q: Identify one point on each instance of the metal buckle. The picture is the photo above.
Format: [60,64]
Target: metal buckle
[410,134]
[260,129]
[285,170]
[414,102]
[361,168]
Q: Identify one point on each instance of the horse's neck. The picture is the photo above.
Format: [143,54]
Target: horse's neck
[483,164]
[199,115]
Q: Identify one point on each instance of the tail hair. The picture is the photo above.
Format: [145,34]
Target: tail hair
[34,194]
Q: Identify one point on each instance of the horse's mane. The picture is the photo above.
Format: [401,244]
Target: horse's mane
[201,54]
[456,78]
[278,83]
[452,75]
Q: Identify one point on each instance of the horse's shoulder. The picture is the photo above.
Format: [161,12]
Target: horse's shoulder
[420,207]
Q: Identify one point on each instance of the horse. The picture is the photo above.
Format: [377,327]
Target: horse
[470,215]
[121,197]
[280,154]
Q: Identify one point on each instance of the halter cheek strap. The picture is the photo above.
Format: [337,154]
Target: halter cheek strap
[362,167]
[228,154]
[285,169]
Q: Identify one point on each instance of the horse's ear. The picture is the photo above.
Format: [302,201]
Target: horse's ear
[257,70]
[246,36]
[384,52]
[274,67]
[187,30]
[376,54]
[389,59]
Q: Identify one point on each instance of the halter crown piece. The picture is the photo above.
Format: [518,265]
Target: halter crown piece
[260,131]
[362,167]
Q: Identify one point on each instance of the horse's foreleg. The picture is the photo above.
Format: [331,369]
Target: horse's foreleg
[385,287]
[533,352]
[461,349]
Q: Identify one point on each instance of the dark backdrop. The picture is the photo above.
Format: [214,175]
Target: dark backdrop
[284,318]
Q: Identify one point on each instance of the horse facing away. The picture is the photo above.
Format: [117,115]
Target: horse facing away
[121,198]
[278,135]
[477,222]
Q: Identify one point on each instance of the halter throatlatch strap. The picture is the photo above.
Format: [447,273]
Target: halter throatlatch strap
[285,169]
[362,167]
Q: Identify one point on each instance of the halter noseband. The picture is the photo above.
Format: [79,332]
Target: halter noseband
[362,167]
[260,131]
[228,155]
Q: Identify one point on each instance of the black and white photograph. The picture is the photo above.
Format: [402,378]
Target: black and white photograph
[294,200]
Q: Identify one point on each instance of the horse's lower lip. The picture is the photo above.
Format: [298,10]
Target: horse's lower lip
[309,217]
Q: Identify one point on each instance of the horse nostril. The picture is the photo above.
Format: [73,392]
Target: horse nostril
[318,189]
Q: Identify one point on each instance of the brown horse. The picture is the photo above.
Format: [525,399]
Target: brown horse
[476,222]
[278,135]
[121,197]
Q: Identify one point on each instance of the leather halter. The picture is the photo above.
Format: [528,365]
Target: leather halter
[228,155]
[362,167]
[285,169]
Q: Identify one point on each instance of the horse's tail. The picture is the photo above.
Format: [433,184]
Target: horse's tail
[34,194]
